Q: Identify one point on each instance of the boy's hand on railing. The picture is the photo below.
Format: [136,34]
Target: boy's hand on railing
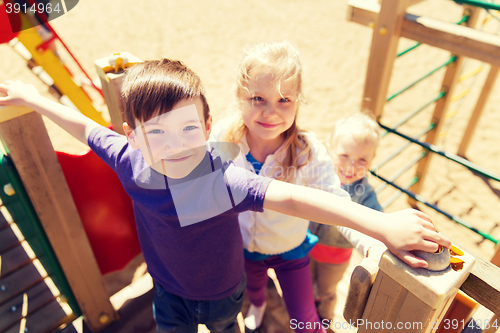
[16,93]
[408,230]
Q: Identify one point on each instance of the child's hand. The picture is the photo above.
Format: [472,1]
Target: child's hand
[409,230]
[16,93]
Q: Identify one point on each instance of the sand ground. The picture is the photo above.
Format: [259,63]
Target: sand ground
[210,36]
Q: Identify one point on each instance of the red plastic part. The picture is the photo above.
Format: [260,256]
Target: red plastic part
[10,24]
[104,207]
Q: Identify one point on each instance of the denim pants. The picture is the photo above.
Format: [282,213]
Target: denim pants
[180,315]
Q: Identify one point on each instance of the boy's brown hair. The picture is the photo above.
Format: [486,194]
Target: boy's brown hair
[151,88]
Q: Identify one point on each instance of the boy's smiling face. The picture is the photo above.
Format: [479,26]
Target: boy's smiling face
[173,143]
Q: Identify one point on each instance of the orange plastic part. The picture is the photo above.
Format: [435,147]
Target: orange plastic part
[104,207]
[10,24]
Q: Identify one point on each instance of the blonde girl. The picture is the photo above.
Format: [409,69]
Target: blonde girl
[268,96]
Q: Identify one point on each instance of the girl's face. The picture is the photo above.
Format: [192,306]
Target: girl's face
[267,111]
[351,158]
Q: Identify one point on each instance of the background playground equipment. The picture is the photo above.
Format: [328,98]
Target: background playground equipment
[36,43]
[79,228]
[390,21]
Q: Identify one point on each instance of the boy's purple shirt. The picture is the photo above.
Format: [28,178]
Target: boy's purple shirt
[201,260]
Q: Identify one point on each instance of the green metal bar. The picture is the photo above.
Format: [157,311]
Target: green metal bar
[452,59]
[478,3]
[414,113]
[401,172]
[464,18]
[455,218]
[407,50]
[405,145]
[462,161]
[396,195]
[24,215]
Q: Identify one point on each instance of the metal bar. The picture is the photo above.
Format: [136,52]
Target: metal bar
[414,113]
[400,171]
[478,3]
[455,218]
[396,195]
[398,150]
[407,50]
[452,59]
[452,157]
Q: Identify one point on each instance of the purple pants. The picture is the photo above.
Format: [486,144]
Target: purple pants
[294,277]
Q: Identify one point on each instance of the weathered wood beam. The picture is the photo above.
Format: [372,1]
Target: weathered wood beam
[483,284]
[457,39]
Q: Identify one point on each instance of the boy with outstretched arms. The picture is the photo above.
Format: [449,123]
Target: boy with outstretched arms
[187,196]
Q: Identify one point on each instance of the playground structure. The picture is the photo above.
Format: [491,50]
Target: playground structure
[66,220]
[60,212]
[463,41]
[390,21]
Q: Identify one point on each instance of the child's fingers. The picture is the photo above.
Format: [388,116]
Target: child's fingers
[412,260]
[427,222]
[438,238]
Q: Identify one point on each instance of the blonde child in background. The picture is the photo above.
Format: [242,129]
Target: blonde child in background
[352,147]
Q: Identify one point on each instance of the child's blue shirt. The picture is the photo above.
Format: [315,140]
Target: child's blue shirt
[201,260]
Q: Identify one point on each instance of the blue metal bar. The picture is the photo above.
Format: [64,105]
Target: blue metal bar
[414,113]
[405,145]
[455,218]
[396,195]
[462,161]
[401,171]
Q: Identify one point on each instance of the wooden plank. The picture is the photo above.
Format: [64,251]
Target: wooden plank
[45,320]
[457,39]
[19,281]
[36,162]
[362,279]
[382,54]
[478,110]
[13,259]
[32,299]
[11,112]
[363,12]
[111,87]
[495,260]
[8,239]
[483,284]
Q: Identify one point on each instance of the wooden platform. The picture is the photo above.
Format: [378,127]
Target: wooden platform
[28,297]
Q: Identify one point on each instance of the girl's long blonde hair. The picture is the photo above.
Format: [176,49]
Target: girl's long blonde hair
[283,60]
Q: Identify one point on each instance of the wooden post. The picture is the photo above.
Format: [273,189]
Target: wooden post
[26,141]
[478,110]
[111,86]
[383,52]
[405,299]
[449,82]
